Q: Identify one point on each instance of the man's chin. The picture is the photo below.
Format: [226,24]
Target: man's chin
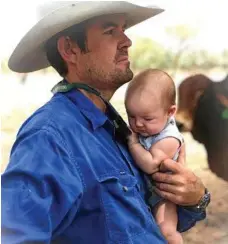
[124,75]
[129,73]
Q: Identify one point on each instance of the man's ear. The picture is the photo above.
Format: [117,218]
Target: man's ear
[172,110]
[67,49]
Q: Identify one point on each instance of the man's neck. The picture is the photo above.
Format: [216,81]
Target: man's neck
[106,94]
[95,99]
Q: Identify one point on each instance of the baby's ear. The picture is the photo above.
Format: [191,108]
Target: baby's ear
[172,110]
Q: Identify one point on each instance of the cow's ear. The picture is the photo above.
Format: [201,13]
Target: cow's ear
[222,99]
[197,95]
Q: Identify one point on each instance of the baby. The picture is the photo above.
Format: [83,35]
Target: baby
[150,106]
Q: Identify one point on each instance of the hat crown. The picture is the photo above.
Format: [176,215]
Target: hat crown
[47,8]
[54,17]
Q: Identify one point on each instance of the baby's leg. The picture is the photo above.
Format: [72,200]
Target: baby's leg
[166,216]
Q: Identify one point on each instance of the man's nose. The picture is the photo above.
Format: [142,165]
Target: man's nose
[125,41]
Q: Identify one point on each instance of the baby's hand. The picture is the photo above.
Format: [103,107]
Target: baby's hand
[133,138]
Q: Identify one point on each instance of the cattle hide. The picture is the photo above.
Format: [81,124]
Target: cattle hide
[211,129]
[209,126]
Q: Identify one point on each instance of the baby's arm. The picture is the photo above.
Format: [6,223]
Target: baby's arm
[149,161]
[165,211]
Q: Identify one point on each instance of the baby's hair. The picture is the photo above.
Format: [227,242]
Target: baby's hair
[155,80]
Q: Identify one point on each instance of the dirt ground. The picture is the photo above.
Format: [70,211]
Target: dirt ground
[213,230]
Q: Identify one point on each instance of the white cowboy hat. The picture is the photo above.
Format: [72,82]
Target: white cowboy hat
[29,55]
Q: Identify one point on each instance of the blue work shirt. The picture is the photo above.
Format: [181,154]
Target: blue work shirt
[68,181]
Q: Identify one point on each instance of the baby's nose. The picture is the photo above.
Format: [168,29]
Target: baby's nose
[138,123]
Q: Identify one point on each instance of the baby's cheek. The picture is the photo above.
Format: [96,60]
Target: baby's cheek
[154,129]
[131,123]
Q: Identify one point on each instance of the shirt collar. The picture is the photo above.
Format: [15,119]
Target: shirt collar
[87,108]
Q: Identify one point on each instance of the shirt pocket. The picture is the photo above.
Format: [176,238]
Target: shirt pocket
[126,215]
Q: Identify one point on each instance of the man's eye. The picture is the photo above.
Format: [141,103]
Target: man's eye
[148,119]
[109,32]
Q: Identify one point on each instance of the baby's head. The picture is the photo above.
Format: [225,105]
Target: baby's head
[150,101]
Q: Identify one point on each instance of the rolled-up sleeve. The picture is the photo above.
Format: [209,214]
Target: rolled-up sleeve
[187,218]
[39,187]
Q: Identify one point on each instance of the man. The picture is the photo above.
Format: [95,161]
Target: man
[70,178]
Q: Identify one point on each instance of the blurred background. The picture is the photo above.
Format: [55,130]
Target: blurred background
[189,38]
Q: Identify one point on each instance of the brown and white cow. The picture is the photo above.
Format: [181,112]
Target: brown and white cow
[203,111]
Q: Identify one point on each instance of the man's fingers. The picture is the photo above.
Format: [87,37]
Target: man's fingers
[167,195]
[170,166]
[165,178]
[182,155]
[167,187]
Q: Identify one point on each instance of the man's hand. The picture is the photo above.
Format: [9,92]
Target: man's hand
[182,187]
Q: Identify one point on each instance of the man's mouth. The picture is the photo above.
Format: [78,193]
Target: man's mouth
[123,59]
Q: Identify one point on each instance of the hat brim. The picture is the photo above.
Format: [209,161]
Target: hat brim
[29,55]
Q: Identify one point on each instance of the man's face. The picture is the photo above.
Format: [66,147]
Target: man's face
[106,63]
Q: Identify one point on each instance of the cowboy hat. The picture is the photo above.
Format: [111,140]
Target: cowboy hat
[29,55]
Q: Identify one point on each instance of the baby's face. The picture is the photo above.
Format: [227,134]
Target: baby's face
[146,118]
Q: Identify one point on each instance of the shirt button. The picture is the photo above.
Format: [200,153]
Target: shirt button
[122,173]
[125,188]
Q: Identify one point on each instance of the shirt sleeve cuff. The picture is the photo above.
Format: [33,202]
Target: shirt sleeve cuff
[187,218]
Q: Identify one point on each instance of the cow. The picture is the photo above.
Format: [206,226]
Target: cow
[203,111]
